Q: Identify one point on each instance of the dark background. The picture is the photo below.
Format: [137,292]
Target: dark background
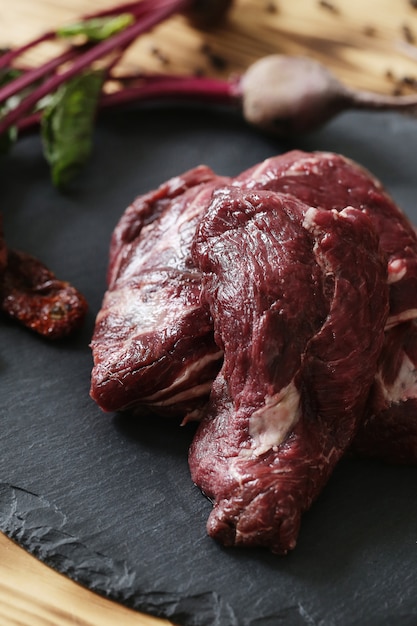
[107,499]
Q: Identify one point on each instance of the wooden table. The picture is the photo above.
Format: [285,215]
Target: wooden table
[368,44]
[32,594]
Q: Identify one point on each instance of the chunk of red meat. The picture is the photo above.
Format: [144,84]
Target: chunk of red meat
[299,302]
[331,181]
[144,213]
[153,373]
[389,430]
[153,343]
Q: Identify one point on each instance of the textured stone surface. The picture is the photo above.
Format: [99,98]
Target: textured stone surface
[108,500]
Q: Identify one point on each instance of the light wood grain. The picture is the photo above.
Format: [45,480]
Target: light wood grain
[367,43]
[32,594]
[361,40]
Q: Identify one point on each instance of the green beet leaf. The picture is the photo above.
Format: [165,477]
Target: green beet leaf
[8,138]
[99,28]
[67,126]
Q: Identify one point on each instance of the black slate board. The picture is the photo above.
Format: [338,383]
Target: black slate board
[107,499]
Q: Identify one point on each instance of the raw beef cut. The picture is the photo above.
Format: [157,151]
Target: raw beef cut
[331,181]
[153,343]
[153,346]
[299,301]
[293,287]
[389,428]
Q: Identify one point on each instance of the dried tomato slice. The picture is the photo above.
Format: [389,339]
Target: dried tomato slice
[33,295]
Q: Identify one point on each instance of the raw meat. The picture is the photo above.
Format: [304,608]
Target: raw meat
[293,287]
[153,346]
[330,181]
[299,302]
[389,428]
[333,182]
[153,343]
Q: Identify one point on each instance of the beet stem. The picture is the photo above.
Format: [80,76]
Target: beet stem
[154,87]
[7,58]
[161,10]
[191,88]
[34,74]
[140,8]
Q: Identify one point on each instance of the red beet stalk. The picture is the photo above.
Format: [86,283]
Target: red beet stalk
[160,87]
[174,87]
[146,15]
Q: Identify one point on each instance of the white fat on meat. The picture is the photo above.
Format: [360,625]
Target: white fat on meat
[405,385]
[186,374]
[270,424]
[397,269]
[404,316]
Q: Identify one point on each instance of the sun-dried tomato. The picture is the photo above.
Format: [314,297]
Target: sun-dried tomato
[33,295]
